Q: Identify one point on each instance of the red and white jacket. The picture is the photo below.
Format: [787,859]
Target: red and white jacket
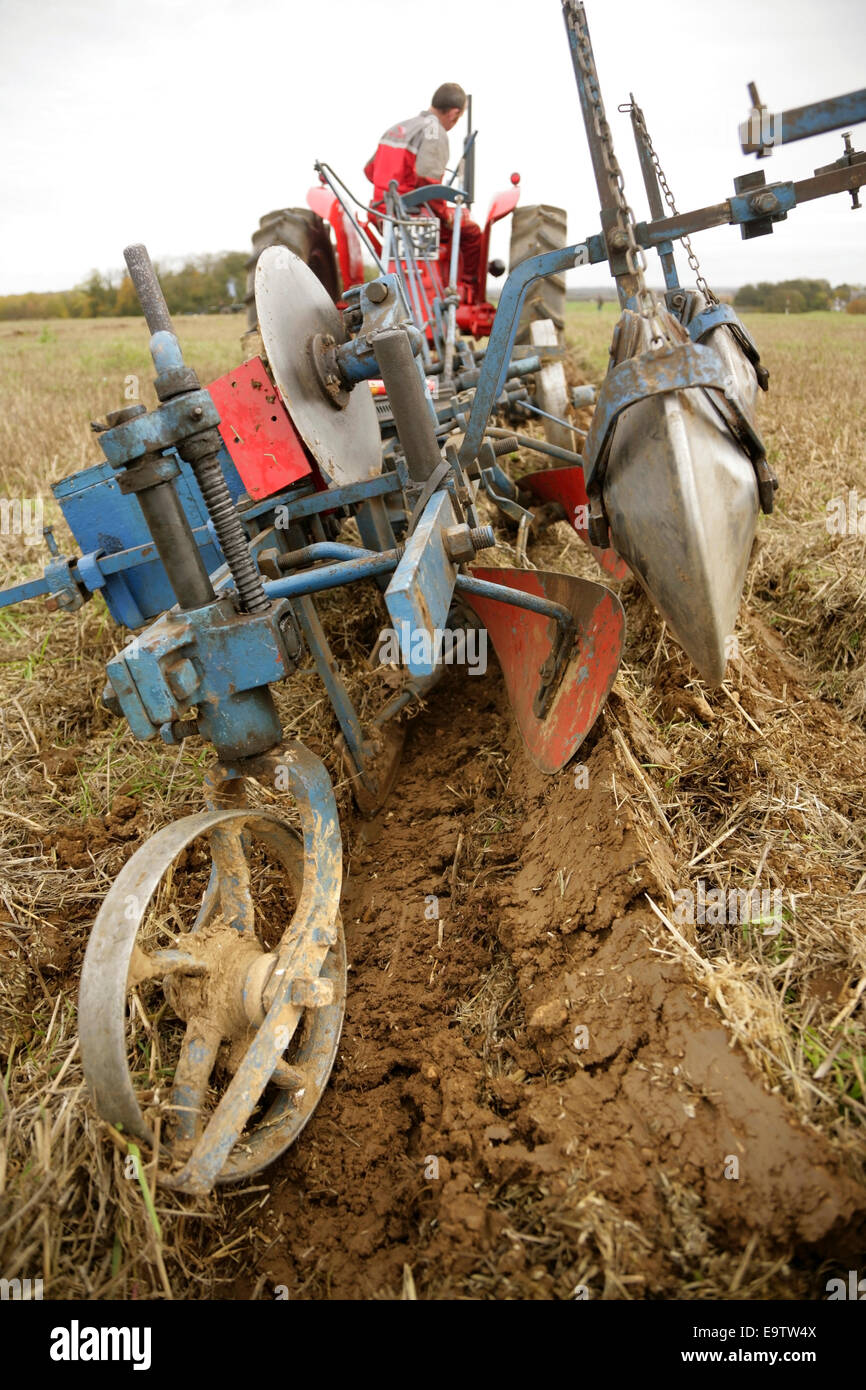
[413,152]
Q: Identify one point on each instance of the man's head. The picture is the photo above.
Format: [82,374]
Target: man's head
[449,103]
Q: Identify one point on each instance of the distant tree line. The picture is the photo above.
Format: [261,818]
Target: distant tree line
[797,296]
[201,285]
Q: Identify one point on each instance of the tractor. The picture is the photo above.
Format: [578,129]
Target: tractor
[329,233]
[402,238]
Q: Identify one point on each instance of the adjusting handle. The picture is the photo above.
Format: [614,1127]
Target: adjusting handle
[148,288]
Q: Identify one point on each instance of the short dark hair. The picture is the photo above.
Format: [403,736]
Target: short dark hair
[448,96]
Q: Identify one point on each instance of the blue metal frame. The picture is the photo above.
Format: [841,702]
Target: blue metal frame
[800,122]
[497,358]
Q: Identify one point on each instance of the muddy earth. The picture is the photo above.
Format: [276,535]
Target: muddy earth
[532,1097]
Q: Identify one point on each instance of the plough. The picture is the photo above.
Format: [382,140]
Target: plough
[213,523]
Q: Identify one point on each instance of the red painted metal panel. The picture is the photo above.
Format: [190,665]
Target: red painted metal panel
[476,319]
[502,204]
[565,485]
[523,642]
[257,430]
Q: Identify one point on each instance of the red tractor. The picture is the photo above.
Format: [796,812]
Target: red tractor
[329,233]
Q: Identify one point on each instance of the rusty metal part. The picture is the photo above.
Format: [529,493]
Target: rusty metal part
[324,358]
[238,1001]
[694,264]
[383,752]
[621,220]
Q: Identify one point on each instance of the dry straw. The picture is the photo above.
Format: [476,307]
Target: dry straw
[760,782]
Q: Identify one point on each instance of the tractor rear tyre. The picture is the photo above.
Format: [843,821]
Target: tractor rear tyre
[534,230]
[303,232]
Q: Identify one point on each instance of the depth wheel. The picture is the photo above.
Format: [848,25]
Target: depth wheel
[214,1048]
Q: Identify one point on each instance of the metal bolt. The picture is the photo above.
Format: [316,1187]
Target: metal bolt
[482,537]
[765,202]
[196,413]
[312,994]
[377,292]
[174,732]
[289,634]
[618,240]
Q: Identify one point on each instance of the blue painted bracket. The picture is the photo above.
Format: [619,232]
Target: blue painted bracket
[653,373]
[159,429]
[800,123]
[356,359]
[419,595]
[211,660]
[498,356]
[718,315]
[711,318]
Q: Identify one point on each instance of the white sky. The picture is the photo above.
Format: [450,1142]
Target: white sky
[179,122]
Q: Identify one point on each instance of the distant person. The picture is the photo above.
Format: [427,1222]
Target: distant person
[415,152]
[599,303]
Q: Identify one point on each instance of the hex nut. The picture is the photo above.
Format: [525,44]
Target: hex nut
[182,677]
[458,544]
[312,994]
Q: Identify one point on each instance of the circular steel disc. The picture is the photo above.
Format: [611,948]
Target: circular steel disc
[293,305]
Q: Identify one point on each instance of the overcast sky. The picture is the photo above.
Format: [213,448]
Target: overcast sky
[179,123]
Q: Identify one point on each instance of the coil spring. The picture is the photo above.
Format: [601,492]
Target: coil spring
[230,533]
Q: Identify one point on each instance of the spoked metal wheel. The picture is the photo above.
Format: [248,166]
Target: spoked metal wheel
[210,1012]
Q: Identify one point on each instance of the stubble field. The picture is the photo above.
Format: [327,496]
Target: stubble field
[609,1168]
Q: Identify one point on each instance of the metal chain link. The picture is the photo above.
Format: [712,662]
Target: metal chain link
[634,254]
[694,264]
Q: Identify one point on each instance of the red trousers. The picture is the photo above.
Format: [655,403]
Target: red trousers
[470,250]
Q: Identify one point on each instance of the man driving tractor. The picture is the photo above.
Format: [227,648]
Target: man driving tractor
[415,152]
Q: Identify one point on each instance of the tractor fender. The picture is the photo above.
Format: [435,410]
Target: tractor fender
[502,204]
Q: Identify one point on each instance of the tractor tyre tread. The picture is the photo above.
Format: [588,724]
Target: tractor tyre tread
[534,230]
[301,231]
